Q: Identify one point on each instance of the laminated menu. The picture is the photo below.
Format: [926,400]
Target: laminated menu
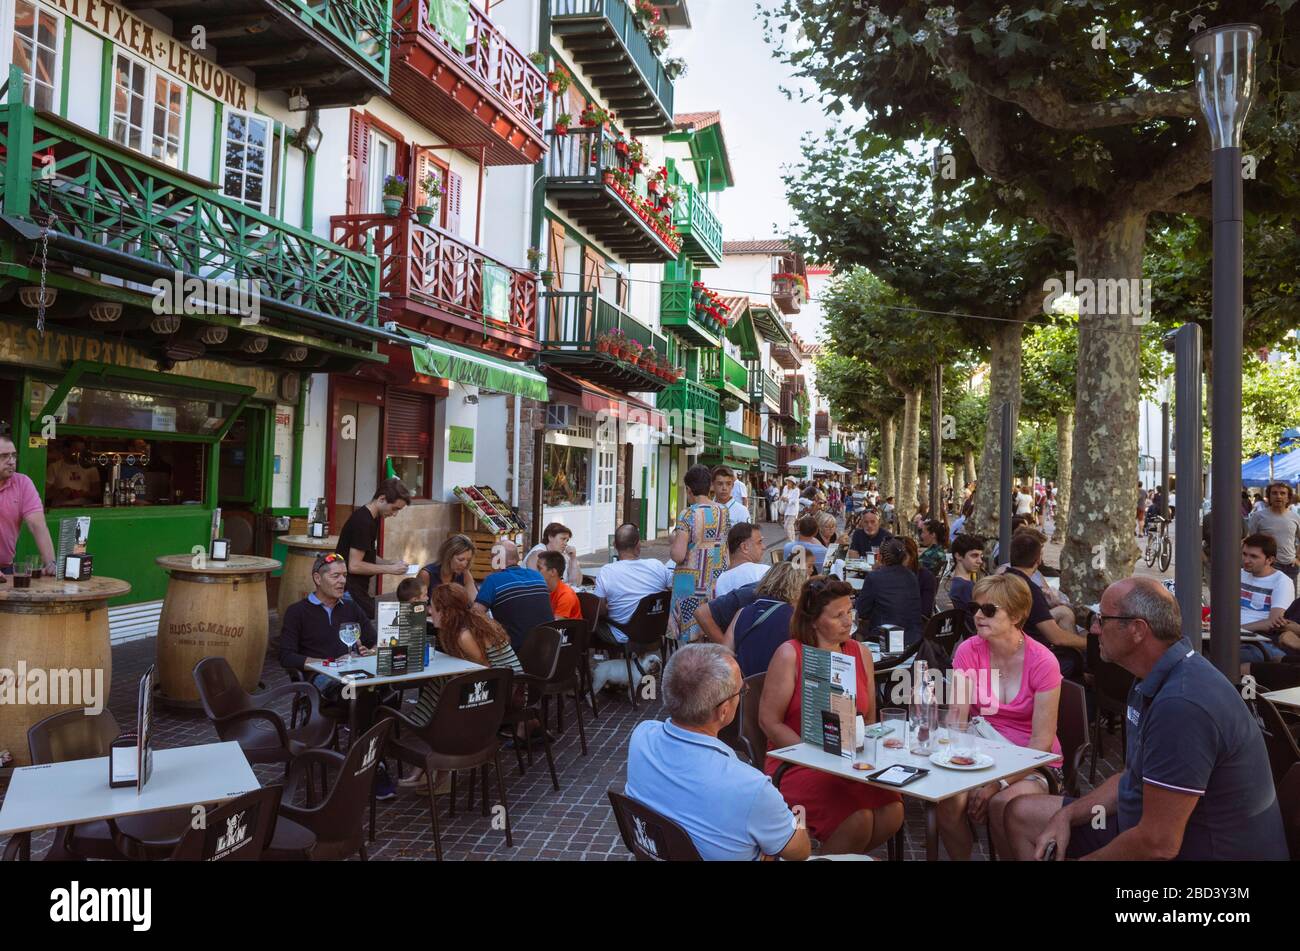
[402,633]
[829,685]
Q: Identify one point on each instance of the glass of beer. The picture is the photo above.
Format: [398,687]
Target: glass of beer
[23,573]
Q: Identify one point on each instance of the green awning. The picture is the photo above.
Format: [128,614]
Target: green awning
[450,362]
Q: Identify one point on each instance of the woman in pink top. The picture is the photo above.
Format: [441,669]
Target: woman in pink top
[1015,684]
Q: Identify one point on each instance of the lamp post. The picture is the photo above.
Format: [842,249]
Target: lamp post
[1224,59]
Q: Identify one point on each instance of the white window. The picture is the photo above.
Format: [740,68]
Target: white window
[605,476]
[383,162]
[148,110]
[36,52]
[244,163]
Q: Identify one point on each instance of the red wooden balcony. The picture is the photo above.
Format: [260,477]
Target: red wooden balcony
[434,282]
[488,94]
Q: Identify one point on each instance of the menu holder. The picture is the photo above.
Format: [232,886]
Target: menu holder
[829,687]
[220,549]
[130,756]
[402,638]
[73,534]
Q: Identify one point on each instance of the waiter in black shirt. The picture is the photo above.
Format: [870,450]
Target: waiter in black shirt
[359,540]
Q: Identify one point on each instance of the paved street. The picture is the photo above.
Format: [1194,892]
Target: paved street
[573,824]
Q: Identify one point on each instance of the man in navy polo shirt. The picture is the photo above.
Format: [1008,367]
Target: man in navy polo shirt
[517,596]
[681,769]
[1196,783]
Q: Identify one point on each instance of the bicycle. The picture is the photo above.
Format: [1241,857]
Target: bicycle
[1158,547]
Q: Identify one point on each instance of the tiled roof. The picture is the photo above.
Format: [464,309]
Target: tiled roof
[694,121]
[766,246]
[736,305]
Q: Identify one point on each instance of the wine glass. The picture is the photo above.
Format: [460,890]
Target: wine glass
[349,634]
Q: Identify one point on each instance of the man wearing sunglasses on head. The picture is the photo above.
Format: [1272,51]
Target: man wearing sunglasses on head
[1196,783]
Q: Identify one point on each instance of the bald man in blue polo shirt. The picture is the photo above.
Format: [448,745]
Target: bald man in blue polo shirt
[1196,783]
[681,769]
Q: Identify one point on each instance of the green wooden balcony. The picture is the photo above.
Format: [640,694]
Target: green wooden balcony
[678,313]
[764,388]
[604,40]
[739,449]
[699,227]
[571,336]
[335,51]
[724,373]
[124,220]
[693,411]
[767,455]
[837,452]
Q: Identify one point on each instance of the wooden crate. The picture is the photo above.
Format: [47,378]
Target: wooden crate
[483,542]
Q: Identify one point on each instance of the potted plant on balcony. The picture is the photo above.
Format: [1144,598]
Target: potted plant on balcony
[394,194]
[656,182]
[675,67]
[558,80]
[605,343]
[617,343]
[646,14]
[635,157]
[633,351]
[729,404]
[548,279]
[594,116]
[433,189]
[562,123]
[658,38]
[650,360]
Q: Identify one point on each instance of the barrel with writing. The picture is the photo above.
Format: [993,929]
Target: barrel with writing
[212,609]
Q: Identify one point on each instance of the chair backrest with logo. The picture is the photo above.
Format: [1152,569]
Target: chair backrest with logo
[470,710]
[649,622]
[235,831]
[650,836]
[339,817]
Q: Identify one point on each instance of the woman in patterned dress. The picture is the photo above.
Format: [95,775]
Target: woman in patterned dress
[700,550]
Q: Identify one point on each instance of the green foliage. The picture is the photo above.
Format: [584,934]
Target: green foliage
[1270,395]
[1036,444]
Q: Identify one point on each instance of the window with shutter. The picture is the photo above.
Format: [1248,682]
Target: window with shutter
[406,437]
[425,165]
[358,161]
[452,203]
[555,253]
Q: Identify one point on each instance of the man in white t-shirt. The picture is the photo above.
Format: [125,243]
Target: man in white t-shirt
[625,582]
[745,547]
[1266,593]
[723,481]
[790,497]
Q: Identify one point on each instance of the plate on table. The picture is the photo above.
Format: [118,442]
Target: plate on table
[942,758]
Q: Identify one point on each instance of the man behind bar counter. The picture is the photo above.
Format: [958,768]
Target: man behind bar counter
[19,503]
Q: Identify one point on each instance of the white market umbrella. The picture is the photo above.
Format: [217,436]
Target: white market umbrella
[816,464]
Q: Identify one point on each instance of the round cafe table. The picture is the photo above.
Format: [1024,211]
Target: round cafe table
[295,580]
[53,626]
[212,609]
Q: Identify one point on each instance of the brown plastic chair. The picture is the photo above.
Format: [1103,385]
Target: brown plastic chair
[572,672]
[539,655]
[646,632]
[73,735]
[248,719]
[338,822]
[593,610]
[463,734]
[946,630]
[234,831]
[1072,731]
[1111,684]
[1283,752]
[1288,800]
[649,835]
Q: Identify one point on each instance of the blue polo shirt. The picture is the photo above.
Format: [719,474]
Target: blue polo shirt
[731,810]
[1190,731]
[519,601]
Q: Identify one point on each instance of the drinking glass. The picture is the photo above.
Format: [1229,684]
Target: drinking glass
[23,573]
[895,739]
[965,741]
[349,634]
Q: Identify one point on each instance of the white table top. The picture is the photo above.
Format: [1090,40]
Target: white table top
[1286,698]
[60,794]
[1247,637]
[443,665]
[940,784]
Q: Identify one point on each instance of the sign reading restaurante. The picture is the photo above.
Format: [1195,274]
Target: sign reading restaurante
[165,52]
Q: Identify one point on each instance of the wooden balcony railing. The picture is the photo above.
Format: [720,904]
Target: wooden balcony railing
[360,26]
[137,217]
[434,267]
[697,406]
[768,457]
[571,334]
[504,109]
[699,226]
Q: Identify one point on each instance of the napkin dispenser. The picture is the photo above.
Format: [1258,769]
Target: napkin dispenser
[77,567]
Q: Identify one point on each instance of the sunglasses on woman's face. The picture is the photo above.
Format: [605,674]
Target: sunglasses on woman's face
[988,610]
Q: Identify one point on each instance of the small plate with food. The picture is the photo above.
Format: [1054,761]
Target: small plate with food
[964,760]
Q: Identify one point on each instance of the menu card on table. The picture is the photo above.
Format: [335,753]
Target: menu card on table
[830,685]
[130,756]
[402,633]
[73,534]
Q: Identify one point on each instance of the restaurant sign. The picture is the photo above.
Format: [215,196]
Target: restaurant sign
[54,350]
[166,52]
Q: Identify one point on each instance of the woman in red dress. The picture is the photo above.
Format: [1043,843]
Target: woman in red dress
[846,816]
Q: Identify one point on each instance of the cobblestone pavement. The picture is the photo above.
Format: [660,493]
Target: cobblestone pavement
[573,824]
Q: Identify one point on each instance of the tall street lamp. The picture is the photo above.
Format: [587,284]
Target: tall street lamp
[1224,59]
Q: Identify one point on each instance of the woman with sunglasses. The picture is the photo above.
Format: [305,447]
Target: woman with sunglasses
[846,816]
[1014,682]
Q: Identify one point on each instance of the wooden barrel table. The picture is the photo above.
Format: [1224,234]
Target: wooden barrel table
[295,580]
[213,609]
[57,633]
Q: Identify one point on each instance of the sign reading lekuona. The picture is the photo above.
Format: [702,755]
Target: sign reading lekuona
[164,51]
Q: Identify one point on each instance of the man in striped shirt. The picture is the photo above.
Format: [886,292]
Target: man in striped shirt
[516,596]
